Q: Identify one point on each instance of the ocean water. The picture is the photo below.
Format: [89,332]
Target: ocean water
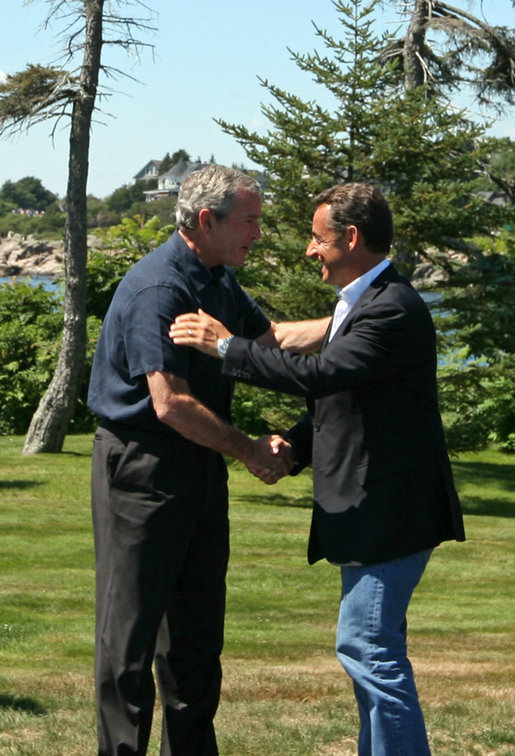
[48,282]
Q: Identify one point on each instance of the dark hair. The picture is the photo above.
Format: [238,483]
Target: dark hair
[363,206]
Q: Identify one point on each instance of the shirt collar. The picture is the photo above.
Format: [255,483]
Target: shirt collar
[352,292]
[187,261]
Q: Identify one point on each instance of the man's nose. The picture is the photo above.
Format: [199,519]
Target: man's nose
[311,249]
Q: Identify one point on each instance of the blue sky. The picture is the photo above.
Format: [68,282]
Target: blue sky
[208,55]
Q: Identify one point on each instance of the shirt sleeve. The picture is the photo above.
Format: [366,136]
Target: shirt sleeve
[147,319]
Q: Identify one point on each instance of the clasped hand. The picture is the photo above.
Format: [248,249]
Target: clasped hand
[272,459]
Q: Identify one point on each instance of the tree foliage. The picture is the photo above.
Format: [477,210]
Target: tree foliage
[124,197]
[170,160]
[475,317]
[28,193]
[28,96]
[121,246]
[30,329]
[422,154]
[430,161]
[498,168]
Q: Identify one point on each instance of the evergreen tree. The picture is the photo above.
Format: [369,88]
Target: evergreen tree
[165,164]
[178,156]
[426,157]
[475,319]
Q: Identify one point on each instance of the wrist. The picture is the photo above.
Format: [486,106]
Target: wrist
[245,451]
[222,345]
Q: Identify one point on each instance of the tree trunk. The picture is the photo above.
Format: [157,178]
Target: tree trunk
[51,420]
[414,70]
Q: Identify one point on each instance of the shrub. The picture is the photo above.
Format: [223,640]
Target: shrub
[30,330]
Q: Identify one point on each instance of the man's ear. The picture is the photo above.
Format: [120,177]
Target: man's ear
[205,219]
[353,236]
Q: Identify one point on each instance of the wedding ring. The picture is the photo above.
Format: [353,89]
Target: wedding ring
[189,331]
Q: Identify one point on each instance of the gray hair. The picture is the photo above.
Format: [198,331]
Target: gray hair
[215,187]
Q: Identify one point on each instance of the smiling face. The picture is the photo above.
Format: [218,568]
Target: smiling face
[232,236]
[330,249]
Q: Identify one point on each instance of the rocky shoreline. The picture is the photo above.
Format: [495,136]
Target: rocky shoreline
[27,256]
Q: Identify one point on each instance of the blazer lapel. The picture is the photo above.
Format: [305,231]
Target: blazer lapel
[372,291]
[326,337]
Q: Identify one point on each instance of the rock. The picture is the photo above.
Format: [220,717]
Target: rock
[27,256]
[427,275]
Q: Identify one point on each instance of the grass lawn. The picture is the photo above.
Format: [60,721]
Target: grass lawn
[284,691]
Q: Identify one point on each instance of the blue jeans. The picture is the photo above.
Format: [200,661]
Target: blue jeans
[371,645]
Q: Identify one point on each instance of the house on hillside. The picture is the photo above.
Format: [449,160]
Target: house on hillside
[168,183]
[149,171]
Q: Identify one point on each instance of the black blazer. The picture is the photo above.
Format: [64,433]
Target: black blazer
[382,479]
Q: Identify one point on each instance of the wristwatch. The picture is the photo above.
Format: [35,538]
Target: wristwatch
[222,345]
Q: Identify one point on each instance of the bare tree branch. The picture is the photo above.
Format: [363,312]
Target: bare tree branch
[51,93]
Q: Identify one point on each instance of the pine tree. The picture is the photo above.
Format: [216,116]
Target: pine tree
[428,159]
[423,155]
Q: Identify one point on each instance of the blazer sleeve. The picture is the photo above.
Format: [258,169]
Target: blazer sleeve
[379,336]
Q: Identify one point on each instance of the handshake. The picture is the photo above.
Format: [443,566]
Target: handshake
[272,458]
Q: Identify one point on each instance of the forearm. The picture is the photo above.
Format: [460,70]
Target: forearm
[203,332]
[181,411]
[302,335]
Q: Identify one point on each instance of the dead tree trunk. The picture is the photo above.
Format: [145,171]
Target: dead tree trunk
[50,422]
[414,68]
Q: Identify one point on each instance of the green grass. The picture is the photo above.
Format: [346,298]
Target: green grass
[284,691]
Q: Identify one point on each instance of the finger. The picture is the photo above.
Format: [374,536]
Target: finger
[184,326]
[192,316]
[283,468]
[184,330]
[273,474]
[265,474]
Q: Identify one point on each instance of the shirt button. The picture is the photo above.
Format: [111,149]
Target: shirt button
[316,427]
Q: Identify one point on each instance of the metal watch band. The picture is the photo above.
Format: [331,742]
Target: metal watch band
[222,345]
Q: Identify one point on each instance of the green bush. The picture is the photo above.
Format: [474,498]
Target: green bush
[30,336]
[30,330]
[49,225]
[122,246]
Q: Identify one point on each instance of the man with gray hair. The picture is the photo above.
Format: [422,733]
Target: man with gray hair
[159,480]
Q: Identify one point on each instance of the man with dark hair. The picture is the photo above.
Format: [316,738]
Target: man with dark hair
[159,480]
[383,490]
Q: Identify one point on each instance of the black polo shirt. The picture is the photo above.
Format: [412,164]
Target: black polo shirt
[134,339]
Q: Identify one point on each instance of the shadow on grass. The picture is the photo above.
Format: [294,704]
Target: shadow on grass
[272,499]
[491,480]
[21,484]
[22,703]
